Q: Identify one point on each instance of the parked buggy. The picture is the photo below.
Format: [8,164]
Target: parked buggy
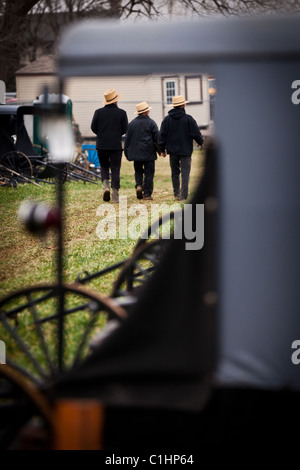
[23,161]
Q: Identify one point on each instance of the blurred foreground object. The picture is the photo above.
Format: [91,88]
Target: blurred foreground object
[38,218]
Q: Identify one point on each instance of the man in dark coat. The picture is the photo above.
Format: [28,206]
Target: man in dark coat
[109,124]
[177,132]
[141,147]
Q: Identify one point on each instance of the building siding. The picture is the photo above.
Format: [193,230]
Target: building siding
[86,94]
[30,86]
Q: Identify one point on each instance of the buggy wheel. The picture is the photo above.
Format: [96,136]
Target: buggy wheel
[145,257]
[22,406]
[18,162]
[78,169]
[81,160]
[45,169]
[92,157]
[10,182]
[29,322]
[41,151]
[157,229]
[139,267]
[51,172]
[13,183]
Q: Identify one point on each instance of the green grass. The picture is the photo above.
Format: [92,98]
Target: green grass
[26,260]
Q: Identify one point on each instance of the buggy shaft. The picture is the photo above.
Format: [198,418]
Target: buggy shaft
[18,174]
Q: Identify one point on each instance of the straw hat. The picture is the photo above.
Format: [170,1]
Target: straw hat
[142,107]
[111,96]
[178,101]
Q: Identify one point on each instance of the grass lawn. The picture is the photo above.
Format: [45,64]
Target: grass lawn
[26,260]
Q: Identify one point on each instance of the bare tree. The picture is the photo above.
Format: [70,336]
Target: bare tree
[29,25]
[167,8]
[12,14]
[241,7]
[46,19]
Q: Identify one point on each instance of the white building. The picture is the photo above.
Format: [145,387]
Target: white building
[86,93]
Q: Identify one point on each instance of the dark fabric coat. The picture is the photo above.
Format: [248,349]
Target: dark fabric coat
[140,139]
[109,124]
[177,132]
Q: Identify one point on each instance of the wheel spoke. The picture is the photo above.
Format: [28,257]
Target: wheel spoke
[134,273]
[23,347]
[16,161]
[39,331]
[85,336]
[29,319]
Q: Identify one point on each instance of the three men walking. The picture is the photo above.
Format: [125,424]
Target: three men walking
[142,143]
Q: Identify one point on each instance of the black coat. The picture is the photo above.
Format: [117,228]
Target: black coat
[177,132]
[140,139]
[109,124]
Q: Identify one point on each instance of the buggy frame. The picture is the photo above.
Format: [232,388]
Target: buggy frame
[23,161]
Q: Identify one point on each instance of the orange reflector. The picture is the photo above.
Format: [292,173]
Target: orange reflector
[78,425]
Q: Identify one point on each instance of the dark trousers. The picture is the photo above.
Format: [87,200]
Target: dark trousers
[110,160]
[144,174]
[180,164]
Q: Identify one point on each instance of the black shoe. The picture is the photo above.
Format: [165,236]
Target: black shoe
[139,192]
[106,195]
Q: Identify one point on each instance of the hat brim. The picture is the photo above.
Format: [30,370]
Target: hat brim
[176,105]
[144,111]
[117,98]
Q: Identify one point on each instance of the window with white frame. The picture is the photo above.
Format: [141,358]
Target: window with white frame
[170,89]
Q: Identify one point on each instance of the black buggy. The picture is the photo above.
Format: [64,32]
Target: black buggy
[22,161]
